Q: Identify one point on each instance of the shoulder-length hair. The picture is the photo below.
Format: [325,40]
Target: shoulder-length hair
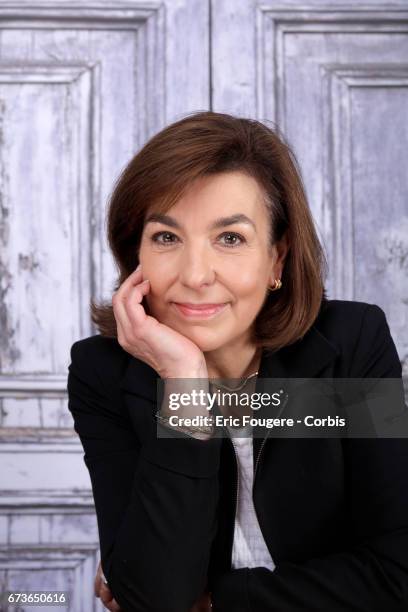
[205,143]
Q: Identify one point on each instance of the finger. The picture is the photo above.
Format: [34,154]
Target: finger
[97,580]
[108,601]
[136,294]
[100,584]
[105,593]
[121,332]
[133,279]
[133,304]
[114,606]
[130,319]
[119,302]
[134,316]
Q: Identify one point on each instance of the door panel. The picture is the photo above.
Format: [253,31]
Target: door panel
[81,89]
[334,79]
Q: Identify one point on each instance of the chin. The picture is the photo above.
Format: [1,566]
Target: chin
[207,346]
[205,341]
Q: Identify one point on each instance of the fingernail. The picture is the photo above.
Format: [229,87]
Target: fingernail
[103,578]
[146,280]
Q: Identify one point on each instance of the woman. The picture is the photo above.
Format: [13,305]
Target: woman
[221,276]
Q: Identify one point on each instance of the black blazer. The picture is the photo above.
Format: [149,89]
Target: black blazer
[333,512]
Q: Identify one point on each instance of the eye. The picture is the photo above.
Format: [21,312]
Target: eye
[235,237]
[168,238]
[155,238]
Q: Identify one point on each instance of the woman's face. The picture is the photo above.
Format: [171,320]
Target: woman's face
[211,248]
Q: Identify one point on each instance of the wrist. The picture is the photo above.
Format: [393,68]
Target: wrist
[201,432]
[185,396]
[198,371]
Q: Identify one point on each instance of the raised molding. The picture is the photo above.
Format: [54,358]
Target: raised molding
[338,208]
[93,14]
[272,23]
[47,501]
[331,188]
[147,21]
[85,77]
[23,386]
[68,556]
[74,566]
[49,445]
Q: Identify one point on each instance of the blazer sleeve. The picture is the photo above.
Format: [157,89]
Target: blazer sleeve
[155,498]
[372,576]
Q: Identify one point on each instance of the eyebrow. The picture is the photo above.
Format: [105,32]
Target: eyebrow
[220,222]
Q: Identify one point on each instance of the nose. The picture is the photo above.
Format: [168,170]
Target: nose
[197,267]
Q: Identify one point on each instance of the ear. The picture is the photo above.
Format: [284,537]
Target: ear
[280,250]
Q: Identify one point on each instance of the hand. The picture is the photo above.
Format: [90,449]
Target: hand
[168,352]
[103,591]
[203,604]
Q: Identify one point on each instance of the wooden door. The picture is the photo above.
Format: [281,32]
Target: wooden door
[82,87]
[334,77]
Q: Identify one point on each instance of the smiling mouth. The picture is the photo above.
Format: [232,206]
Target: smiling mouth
[199,310]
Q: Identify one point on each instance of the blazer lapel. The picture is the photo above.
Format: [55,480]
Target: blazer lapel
[303,359]
[306,358]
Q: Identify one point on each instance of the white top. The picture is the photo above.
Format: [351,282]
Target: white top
[249,547]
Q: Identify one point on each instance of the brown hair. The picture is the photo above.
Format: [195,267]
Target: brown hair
[204,143]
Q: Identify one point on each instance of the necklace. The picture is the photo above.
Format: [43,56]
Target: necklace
[234,388]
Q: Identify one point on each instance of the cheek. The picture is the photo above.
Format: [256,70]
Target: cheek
[249,285]
[155,275]
[249,298]
[248,273]
[158,270]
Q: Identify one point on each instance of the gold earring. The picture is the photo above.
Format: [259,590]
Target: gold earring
[277,285]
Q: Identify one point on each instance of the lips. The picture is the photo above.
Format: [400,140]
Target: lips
[198,306]
[199,310]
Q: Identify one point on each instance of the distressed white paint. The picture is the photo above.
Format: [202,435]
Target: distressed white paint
[82,87]
[334,78]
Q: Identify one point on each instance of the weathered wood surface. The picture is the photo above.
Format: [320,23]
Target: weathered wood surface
[82,87]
